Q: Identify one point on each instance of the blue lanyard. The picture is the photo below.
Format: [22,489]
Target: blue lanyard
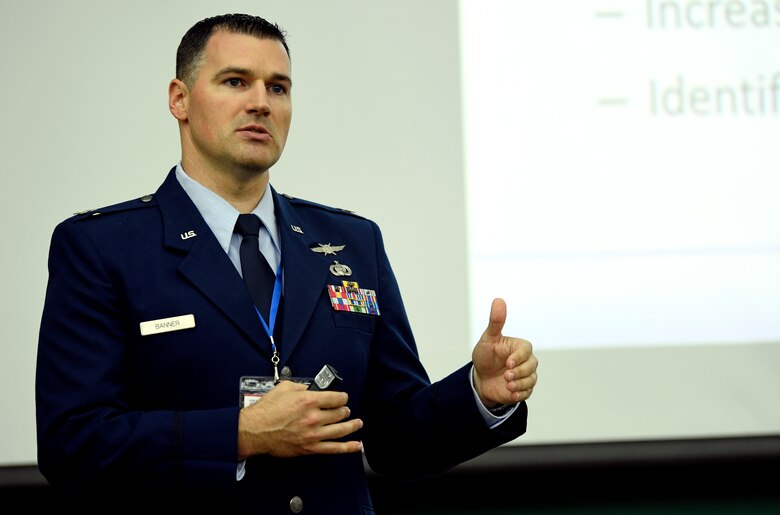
[269,327]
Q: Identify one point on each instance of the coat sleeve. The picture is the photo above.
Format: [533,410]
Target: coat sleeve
[87,431]
[408,420]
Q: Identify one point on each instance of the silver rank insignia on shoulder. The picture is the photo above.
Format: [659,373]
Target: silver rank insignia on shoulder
[340,270]
[327,249]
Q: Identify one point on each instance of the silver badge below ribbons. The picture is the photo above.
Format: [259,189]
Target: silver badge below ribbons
[340,270]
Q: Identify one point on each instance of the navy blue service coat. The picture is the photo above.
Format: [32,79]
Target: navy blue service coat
[121,416]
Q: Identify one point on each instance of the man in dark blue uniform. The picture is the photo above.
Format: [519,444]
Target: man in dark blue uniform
[157,373]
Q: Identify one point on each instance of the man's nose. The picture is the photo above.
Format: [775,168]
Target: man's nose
[259,101]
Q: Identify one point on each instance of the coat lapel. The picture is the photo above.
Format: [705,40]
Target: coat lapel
[204,262]
[305,274]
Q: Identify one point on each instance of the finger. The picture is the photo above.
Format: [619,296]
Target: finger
[285,385]
[522,384]
[522,395]
[339,430]
[337,447]
[336,415]
[520,354]
[497,318]
[520,366]
[330,400]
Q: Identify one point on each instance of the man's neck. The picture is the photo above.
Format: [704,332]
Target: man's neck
[243,189]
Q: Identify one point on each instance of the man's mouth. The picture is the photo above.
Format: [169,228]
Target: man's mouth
[255,131]
[254,127]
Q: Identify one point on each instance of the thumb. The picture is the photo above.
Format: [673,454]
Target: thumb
[497,319]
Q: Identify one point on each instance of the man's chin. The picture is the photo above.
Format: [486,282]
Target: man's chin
[255,166]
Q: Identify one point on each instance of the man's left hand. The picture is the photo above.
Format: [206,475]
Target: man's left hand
[504,367]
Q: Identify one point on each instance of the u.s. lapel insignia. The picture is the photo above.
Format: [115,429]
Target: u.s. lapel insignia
[297,229]
[340,270]
[327,248]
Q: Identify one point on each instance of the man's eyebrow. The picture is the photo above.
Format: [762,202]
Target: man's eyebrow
[234,70]
[281,77]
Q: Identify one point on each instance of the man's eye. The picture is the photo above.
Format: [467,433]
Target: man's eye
[279,90]
[233,82]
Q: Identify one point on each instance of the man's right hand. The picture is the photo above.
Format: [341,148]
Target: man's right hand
[292,421]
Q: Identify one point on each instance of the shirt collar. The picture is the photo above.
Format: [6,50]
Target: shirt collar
[220,216]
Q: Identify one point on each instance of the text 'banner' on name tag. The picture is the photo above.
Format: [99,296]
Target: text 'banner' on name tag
[165,325]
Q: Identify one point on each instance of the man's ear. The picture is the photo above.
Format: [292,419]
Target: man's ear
[178,98]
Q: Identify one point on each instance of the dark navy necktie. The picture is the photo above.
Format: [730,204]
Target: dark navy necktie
[257,273]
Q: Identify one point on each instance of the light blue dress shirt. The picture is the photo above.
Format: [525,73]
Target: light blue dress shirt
[221,218]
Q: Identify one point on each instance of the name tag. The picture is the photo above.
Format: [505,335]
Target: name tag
[165,325]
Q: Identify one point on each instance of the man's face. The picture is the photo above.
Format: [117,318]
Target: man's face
[238,111]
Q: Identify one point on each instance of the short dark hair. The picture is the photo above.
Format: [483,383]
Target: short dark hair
[192,49]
